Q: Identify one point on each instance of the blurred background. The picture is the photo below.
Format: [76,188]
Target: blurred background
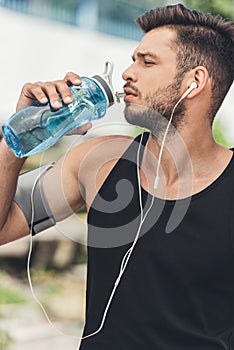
[43,40]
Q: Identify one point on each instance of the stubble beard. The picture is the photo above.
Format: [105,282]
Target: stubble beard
[157,109]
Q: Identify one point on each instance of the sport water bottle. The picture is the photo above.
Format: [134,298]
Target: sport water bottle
[37,127]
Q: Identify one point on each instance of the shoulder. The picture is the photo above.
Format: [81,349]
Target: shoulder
[99,149]
[94,155]
[93,161]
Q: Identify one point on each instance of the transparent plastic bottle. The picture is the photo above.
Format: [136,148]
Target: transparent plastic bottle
[37,127]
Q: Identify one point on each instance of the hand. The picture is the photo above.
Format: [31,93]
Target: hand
[49,91]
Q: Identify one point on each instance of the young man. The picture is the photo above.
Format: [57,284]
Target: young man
[160,218]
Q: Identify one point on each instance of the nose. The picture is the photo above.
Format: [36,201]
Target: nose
[129,73]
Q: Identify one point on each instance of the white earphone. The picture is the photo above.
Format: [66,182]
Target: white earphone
[191,87]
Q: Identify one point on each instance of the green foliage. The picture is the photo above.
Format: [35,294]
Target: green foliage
[219,132]
[5,340]
[9,296]
[222,7]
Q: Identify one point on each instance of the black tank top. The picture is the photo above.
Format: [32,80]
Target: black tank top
[177,292]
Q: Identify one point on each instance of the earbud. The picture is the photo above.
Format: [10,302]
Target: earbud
[191,87]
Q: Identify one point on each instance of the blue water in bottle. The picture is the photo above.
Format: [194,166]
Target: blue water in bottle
[38,127]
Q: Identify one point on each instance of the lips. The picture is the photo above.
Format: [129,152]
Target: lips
[129,94]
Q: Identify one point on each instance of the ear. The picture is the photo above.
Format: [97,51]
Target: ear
[201,76]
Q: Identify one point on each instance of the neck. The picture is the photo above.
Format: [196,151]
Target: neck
[190,157]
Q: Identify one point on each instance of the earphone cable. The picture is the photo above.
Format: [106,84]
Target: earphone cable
[29,260]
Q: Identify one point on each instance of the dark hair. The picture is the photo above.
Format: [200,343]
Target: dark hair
[202,40]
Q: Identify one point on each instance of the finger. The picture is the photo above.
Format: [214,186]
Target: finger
[72,78]
[64,90]
[49,88]
[34,92]
[82,130]
[29,94]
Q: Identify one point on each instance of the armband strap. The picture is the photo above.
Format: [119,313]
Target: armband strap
[43,217]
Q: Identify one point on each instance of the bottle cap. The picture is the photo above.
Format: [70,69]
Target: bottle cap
[107,89]
[105,81]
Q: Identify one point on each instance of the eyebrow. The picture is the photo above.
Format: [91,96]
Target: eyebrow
[143,54]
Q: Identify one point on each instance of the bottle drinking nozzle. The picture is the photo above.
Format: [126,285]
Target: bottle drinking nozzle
[119,95]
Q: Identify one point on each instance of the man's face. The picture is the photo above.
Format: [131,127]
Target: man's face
[152,86]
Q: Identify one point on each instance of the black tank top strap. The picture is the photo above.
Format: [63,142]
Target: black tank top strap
[132,151]
[143,138]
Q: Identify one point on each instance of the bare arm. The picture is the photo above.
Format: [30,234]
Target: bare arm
[13,224]
[10,214]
